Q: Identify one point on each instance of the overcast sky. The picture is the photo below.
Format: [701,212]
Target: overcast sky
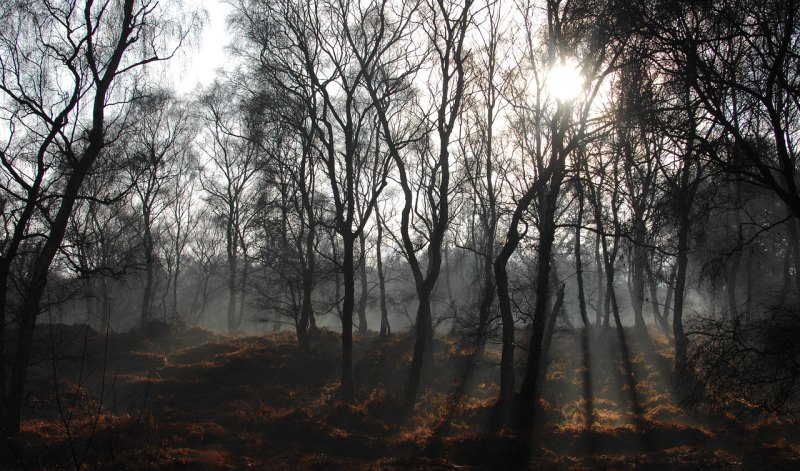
[197,65]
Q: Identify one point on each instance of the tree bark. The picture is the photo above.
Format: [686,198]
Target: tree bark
[362,302]
[149,267]
[348,273]
[231,247]
[513,238]
[547,229]
[578,258]
[386,329]
[307,309]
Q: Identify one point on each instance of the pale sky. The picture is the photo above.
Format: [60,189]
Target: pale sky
[197,65]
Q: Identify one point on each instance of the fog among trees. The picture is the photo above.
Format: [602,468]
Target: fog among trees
[401,234]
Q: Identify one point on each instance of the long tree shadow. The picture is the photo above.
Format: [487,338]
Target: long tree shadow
[455,396]
[588,391]
[628,380]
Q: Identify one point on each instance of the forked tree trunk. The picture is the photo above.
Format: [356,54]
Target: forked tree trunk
[513,238]
[547,230]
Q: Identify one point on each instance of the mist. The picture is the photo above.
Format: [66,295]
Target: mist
[399,235]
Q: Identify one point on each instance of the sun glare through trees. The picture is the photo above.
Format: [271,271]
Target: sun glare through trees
[564,80]
[399,234]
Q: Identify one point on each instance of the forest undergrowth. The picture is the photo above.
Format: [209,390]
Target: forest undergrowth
[180,398]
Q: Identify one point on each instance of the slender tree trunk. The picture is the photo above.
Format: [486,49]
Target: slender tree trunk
[149,268]
[504,301]
[166,294]
[612,307]
[422,346]
[203,301]
[681,341]
[348,304]
[513,238]
[243,293]
[307,310]
[578,258]
[683,377]
[9,410]
[659,319]
[362,302]
[636,286]
[105,305]
[231,247]
[40,270]
[550,328]
[175,283]
[670,292]
[547,229]
[601,297]
[385,327]
[487,297]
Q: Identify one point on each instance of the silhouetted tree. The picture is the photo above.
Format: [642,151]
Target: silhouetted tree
[69,73]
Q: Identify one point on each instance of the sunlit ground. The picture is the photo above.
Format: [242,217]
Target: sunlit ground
[196,400]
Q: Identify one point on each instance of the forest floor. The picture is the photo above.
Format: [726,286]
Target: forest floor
[189,399]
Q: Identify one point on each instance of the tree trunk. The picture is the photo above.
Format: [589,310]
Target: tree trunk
[175,284]
[307,310]
[507,372]
[578,259]
[487,297]
[547,229]
[636,286]
[683,377]
[34,290]
[513,238]
[659,319]
[681,342]
[385,327]
[231,248]
[422,346]
[670,292]
[105,305]
[149,262]
[551,322]
[348,303]
[601,297]
[243,293]
[362,302]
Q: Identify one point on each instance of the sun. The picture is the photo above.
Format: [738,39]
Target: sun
[564,80]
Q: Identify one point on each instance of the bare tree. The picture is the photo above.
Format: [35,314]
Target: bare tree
[205,249]
[229,180]
[68,76]
[161,137]
[446,26]
[568,127]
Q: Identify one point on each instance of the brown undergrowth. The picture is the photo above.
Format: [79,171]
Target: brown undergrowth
[190,399]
